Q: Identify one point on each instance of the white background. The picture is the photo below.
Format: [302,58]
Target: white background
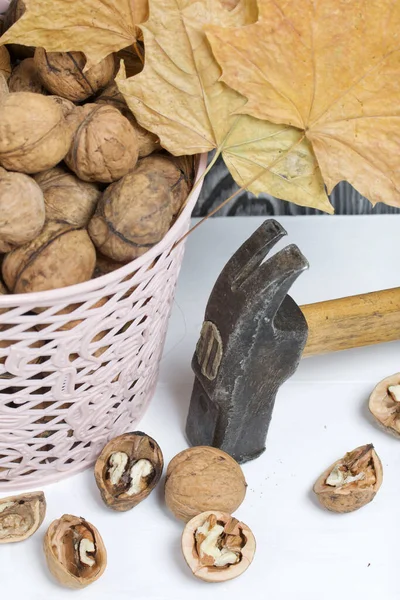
[304,552]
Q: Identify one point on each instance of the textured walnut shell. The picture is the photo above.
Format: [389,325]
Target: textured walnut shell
[66,197]
[133,215]
[22,211]
[147,142]
[203,478]
[384,408]
[62,74]
[60,256]
[351,496]
[15,10]
[214,574]
[67,107]
[21,516]
[136,446]
[61,556]
[104,147]
[174,174]
[24,78]
[105,265]
[3,86]
[34,135]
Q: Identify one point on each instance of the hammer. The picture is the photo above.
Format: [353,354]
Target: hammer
[254,336]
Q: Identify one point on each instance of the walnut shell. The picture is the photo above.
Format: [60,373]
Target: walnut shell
[104,147]
[235,538]
[363,469]
[62,74]
[128,469]
[133,215]
[66,197]
[34,135]
[174,174]
[147,142]
[203,478]
[67,107]
[61,255]
[3,86]
[14,12]
[21,516]
[74,562]
[24,78]
[385,407]
[22,211]
[105,265]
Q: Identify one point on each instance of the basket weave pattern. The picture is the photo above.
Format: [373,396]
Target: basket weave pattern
[78,366]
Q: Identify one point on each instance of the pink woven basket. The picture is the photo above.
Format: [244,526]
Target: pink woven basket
[83,368]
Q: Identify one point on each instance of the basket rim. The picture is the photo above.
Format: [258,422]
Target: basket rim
[92,285]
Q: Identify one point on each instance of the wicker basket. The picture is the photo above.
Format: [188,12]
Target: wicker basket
[82,368]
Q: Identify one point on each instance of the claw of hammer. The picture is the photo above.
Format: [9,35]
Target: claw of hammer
[251,341]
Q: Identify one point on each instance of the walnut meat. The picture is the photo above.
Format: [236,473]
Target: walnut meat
[75,552]
[147,142]
[105,145]
[128,469]
[24,78]
[66,197]
[217,547]
[22,211]
[203,478]
[133,215]
[351,482]
[21,516]
[384,404]
[34,135]
[61,255]
[62,74]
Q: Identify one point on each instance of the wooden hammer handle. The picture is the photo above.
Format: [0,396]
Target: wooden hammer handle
[352,322]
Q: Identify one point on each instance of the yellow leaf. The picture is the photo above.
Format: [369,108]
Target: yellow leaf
[332,69]
[179,97]
[95,27]
[5,66]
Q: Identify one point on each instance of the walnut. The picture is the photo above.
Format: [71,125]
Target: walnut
[66,197]
[5,65]
[104,147]
[75,552]
[351,482]
[133,215]
[384,404]
[203,478]
[61,255]
[24,78]
[147,142]
[22,211]
[62,74]
[34,135]
[217,547]
[3,86]
[175,175]
[67,107]
[21,516]
[128,469]
[14,12]
[105,265]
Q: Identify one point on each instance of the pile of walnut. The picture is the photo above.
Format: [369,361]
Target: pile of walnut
[83,188]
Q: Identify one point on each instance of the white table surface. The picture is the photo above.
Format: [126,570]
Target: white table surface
[304,552]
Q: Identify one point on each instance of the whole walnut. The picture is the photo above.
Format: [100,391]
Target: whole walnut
[147,142]
[22,211]
[66,197]
[175,177]
[203,478]
[62,74]
[67,107]
[133,215]
[104,147]
[24,78]
[61,255]
[34,135]
[14,12]
[105,265]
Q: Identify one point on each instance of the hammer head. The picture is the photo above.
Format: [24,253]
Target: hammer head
[251,342]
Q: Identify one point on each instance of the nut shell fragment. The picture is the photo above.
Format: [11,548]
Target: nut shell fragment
[351,482]
[384,406]
[21,516]
[74,551]
[236,538]
[128,469]
[203,478]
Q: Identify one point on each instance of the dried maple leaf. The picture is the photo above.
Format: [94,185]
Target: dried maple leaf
[95,27]
[5,66]
[330,68]
[179,96]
